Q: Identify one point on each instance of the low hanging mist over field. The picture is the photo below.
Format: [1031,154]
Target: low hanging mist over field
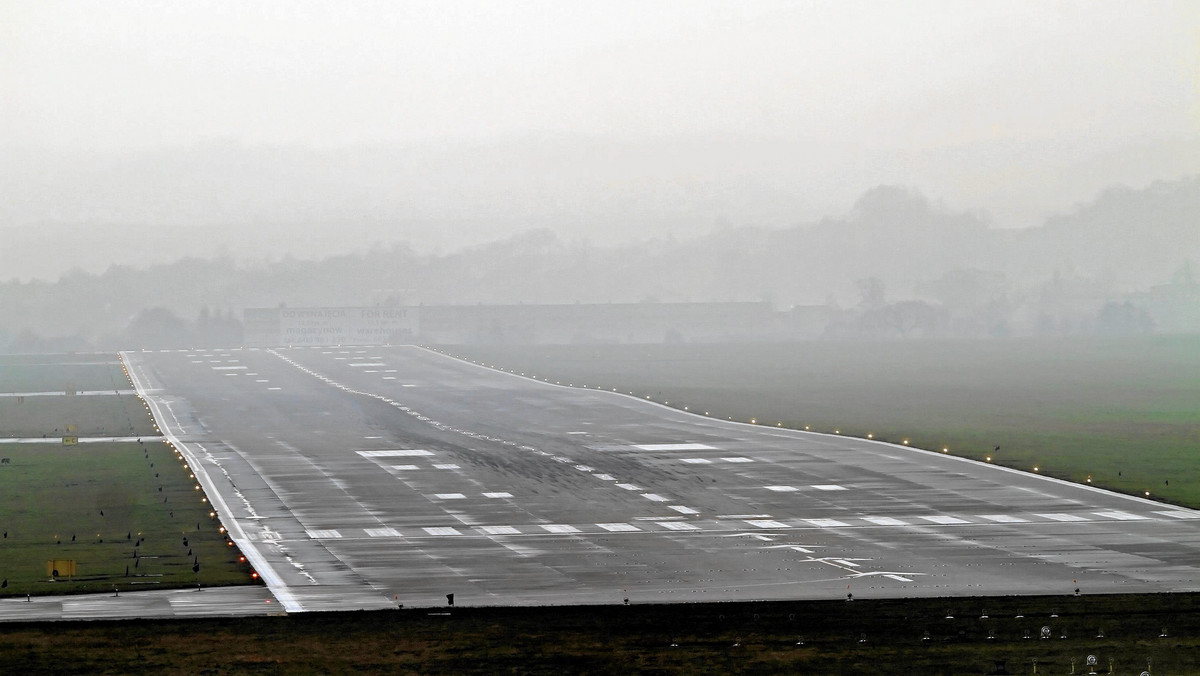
[895,171]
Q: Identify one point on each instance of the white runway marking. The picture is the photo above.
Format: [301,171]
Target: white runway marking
[677,525]
[446,530]
[766,523]
[884,521]
[1177,514]
[619,527]
[559,528]
[944,520]
[655,497]
[898,578]
[696,461]
[382,532]
[323,534]
[782,489]
[683,510]
[404,452]
[447,465]
[229,368]
[829,487]
[605,477]
[274,389]
[1003,518]
[674,447]
[1062,517]
[497,495]
[738,459]
[404,468]
[450,496]
[1120,516]
[826,523]
[499,530]
[630,487]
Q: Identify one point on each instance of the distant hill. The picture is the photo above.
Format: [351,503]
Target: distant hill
[892,245]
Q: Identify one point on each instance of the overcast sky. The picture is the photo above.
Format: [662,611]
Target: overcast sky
[983,104]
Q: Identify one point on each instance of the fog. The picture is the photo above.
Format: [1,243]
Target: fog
[659,151]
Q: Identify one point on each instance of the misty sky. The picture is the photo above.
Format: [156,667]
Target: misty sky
[789,110]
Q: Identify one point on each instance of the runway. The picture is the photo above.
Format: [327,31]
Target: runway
[365,477]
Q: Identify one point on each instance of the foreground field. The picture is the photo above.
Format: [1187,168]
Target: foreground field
[932,636]
[1120,411]
[127,514]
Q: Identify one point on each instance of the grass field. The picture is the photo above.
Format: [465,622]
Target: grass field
[58,373]
[983,636]
[95,416]
[127,514]
[1125,412]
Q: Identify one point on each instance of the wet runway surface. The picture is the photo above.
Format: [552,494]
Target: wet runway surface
[363,477]
[176,603]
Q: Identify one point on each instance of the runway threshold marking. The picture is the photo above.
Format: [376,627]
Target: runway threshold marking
[498,530]
[885,521]
[1062,517]
[326,534]
[397,453]
[1003,518]
[1120,516]
[1179,514]
[446,530]
[382,532]
[943,519]
[674,447]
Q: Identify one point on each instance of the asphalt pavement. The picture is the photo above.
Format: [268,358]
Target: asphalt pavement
[369,477]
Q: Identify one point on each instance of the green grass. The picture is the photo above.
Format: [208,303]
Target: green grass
[1124,411]
[121,511]
[61,372]
[100,416]
[709,638]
